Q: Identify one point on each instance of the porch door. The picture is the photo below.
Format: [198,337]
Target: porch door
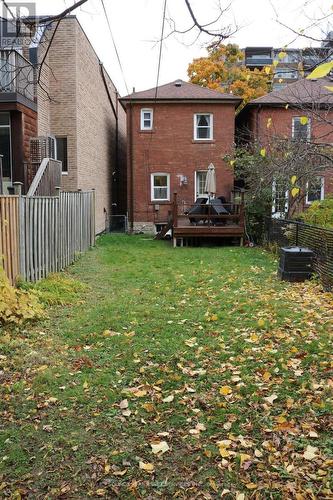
[200,181]
[5,151]
[280,199]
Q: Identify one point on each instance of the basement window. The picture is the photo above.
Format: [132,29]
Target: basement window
[301,129]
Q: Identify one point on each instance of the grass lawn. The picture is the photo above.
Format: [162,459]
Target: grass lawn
[185,373]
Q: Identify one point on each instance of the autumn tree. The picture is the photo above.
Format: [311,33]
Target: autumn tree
[224,70]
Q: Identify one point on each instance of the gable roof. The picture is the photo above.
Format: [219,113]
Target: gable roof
[179,90]
[302,92]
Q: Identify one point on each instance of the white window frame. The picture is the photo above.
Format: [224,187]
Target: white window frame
[211,129]
[278,215]
[142,119]
[293,127]
[322,191]
[152,186]
[196,195]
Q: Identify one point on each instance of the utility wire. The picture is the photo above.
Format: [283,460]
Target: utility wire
[115,46]
[161,46]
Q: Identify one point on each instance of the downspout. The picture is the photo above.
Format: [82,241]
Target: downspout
[114,185]
[130,164]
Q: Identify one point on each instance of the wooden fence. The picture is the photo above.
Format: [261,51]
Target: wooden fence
[44,234]
[9,236]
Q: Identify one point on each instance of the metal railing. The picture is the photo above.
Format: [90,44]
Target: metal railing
[319,240]
[17,74]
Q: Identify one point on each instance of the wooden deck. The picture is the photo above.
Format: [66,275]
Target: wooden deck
[208,224]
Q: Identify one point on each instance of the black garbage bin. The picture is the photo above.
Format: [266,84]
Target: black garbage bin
[296,264]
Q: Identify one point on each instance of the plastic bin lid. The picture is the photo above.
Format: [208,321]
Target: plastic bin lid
[296,250]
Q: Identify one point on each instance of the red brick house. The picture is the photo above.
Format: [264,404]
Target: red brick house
[279,113]
[173,133]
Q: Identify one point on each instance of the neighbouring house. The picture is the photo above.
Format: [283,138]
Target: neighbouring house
[289,64]
[174,132]
[66,108]
[301,111]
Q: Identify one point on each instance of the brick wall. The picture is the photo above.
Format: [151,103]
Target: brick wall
[170,148]
[78,108]
[281,125]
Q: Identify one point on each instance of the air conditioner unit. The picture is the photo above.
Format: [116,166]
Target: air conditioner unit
[43,147]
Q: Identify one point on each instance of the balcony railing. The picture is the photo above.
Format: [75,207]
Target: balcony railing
[17,74]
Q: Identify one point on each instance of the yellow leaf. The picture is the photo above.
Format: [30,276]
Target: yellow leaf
[100,492]
[329,88]
[269,123]
[160,447]
[267,70]
[294,192]
[120,472]
[244,457]
[275,63]
[263,152]
[304,120]
[224,452]
[251,486]
[148,467]
[254,337]
[85,385]
[266,376]
[261,323]
[310,452]
[107,468]
[321,71]
[214,317]
[293,179]
[140,393]
[232,162]
[225,390]
[213,485]
[282,54]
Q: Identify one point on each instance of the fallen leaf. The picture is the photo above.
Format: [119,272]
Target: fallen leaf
[160,447]
[271,399]
[225,390]
[310,452]
[147,466]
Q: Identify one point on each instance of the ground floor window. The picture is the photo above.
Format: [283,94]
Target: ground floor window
[62,156]
[200,181]
[315,190]
[160,187]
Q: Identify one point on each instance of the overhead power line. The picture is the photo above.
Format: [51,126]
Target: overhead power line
[115,46]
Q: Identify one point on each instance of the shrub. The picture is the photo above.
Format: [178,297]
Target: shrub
[320,213]
[17,306]
[57,289]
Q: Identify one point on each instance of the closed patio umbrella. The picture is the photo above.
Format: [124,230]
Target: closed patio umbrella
[210,184]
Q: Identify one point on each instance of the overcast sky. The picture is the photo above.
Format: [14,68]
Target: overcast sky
[136,26]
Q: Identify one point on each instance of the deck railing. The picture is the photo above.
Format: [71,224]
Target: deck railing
[17,74]
[208,215]
[47,178]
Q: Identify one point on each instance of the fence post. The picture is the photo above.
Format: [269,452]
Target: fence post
[93,218]
[17,188]
[175,210]
[296,237]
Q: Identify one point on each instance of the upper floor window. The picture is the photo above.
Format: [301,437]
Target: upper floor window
[301,128]
[160,187]
[203,126]
[146,119]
